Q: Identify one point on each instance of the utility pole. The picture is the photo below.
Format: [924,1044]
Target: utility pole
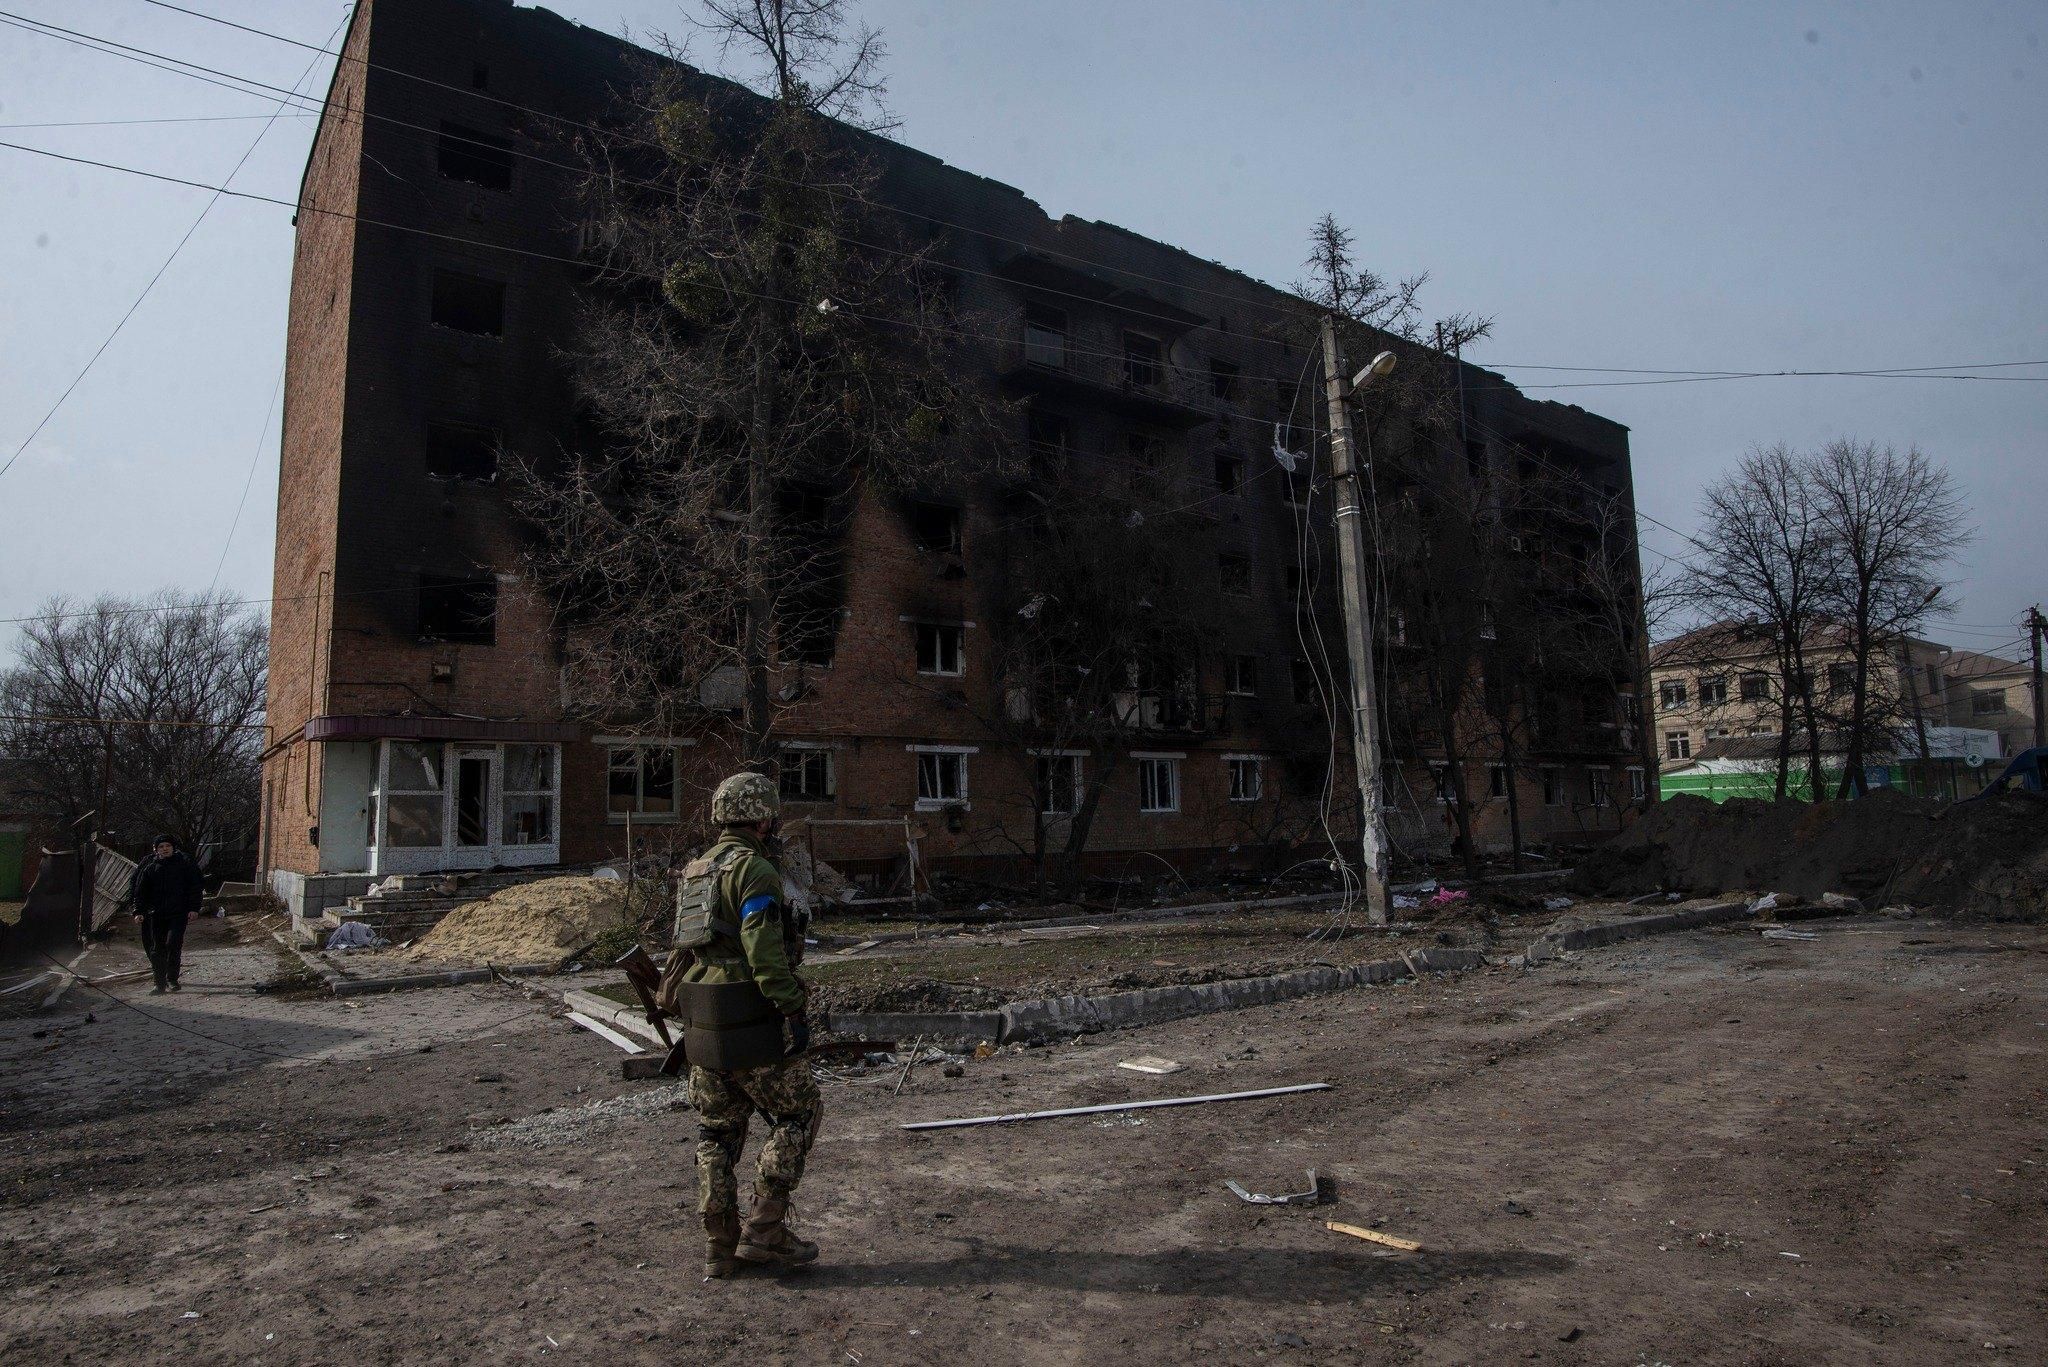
[2035,626]
[1351,557]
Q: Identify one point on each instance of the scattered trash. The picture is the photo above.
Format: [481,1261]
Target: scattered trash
[1793,1256]
[189,1315]
[1313,1196]
[1517,1208]
[1115,1106]
[1556,903]
[1449,897]
[1374,1236]
[1841,901]
[1113,1122]
[1780,933]
[1767,902]
[1403,902]
[354,935]
[1149,1064]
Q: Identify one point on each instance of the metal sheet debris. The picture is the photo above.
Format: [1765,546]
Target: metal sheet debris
[1114,1106]
[1312,1196]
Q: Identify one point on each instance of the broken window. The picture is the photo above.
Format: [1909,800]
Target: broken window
[460,450]
[1553,787]
[1045,336]
[1059,784]
[1294,581]
[1596,787]
[413,799]
[1638,786]
[528,802]
[1159,785]
[1306,691]
[1987,702]
[476,157]
[1223,379]
[1242,677]
[1141,360]
[1229,473]
[1475,461]
[1048,433]
[938,648]
[459,610]
[1496,780]
[935,526]
[1713,690]
[1234,573]
[1671,695]
[1247,779]
[941,777]
[1440,781]
[640,781]
[1841,679]
[806,775]
[1678,745]
[469,303]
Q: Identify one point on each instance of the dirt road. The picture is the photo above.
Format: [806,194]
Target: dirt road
[1707,1148]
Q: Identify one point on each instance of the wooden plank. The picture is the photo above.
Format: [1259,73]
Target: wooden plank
[1374,1236]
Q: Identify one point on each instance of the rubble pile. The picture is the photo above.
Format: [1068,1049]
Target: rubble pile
[1984,858]
[531,923]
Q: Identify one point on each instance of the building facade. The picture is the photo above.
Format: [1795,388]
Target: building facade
[418,714]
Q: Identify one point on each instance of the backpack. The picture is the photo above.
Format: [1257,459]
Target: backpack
[697,919]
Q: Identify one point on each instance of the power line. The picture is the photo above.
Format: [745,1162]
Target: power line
[122,322]
[255,458]
[131,123]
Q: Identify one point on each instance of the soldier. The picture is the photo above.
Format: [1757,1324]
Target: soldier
[745,1031]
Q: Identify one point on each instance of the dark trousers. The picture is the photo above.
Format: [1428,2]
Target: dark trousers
[163,939]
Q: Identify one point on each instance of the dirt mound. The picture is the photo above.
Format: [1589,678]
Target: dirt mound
[532,923]
[909,994]
[1987,858]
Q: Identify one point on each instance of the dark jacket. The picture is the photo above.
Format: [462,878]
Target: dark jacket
[167,886]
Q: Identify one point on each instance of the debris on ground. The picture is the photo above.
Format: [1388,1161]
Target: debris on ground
[1374,1236]
[1985,858]
[1312,1196]
[1149,1064]
[354,935]
[530,923]
[554,1128]
[1118,1106]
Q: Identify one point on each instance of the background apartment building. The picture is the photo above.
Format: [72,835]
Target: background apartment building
[417,710]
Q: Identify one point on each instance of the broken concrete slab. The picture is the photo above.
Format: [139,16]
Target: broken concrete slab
[1616,932]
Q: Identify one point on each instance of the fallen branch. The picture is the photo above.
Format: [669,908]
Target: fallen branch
[1374,1236]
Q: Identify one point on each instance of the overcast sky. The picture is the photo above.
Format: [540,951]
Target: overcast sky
[1760,186]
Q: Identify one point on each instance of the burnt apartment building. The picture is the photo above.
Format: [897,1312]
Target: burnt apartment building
[417,710]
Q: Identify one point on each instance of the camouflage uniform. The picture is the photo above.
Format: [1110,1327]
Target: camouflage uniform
[751,897]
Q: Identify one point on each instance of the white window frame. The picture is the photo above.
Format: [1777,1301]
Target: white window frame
[1079,758]
[920,625]
[614,744]
[808,749]
[1234,683]
[1717,695]
[1158,762]
[1638,783]
[1678,745]
[551,794]
[386,858]
[1237,765]
[1671,695]
[1440,781]
[1598,793]
[940,804]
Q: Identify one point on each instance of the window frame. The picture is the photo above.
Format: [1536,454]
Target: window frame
[804,754]
[1044,763]
[485,152]
[1151,769]
[1237,767]
[640,749]
[1139,371]
[1033,346]
[1241,675]
[938,755]
[939,637]
[455,280]
[1671,695]
[1678,744]
[1713,690]
[549,796]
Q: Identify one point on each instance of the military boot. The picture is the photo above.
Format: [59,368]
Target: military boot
[769,1240]
[721,1236]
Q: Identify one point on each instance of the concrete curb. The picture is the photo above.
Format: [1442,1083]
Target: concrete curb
[1057,1017]
[1641,927]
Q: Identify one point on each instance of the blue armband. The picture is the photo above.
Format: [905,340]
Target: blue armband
[756,906]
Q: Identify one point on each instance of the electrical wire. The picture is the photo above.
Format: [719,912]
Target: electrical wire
[122,322]
[133,123]
[255,458]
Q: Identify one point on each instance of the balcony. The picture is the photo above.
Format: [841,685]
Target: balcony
[1078,372]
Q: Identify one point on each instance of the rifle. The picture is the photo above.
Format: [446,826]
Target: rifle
[646,980]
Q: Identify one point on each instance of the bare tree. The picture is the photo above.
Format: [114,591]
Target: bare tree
[1892,522]
[763,350]
[1770,571]
[147,712]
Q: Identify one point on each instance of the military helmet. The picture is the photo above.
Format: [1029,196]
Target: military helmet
[744,799]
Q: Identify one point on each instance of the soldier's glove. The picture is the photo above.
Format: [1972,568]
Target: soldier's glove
[799,1034]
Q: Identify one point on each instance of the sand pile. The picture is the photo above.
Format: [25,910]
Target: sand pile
[1987,858]
[533,923]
